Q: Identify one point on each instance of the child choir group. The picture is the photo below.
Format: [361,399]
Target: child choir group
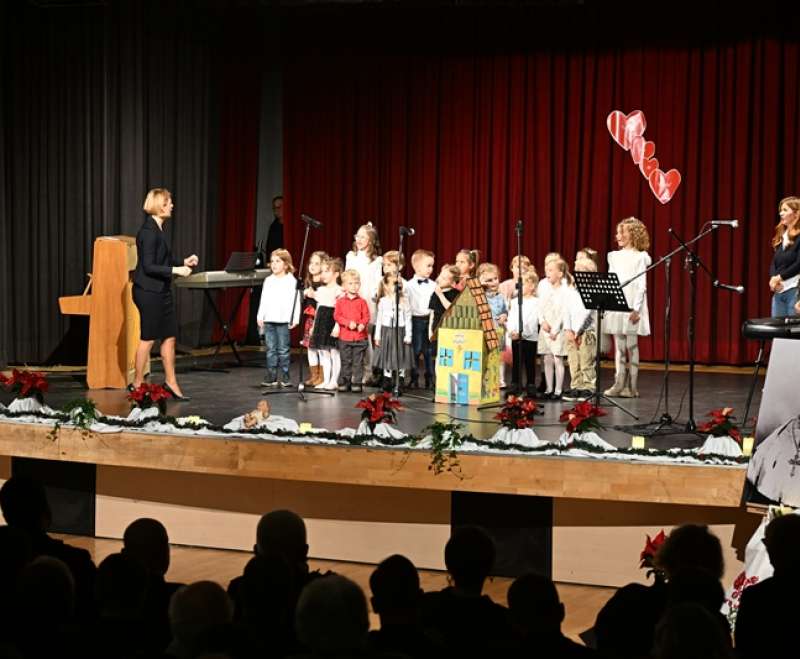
[352,338]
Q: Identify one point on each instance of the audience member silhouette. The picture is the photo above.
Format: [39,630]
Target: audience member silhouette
[689,631]
[465,618]
[767,617]
[267,597]
[691,545]
[200,615]
[120,630]
[25,507]
[396,599]
[536,614]
[15,554]
[45,622]
[331,618]
[146,541]
[696,585]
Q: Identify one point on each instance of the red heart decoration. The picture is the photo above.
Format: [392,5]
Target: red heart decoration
[664,185]
[642,148]
[624,128]
[648,166]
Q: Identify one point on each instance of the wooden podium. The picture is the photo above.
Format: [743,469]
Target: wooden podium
[113,318]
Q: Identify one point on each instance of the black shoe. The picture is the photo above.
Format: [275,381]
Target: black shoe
[555,397]
[344,388]
[181,399]
[571,394]
[131,388]
[387,383]
[414,384]
[357,389]
[547,395]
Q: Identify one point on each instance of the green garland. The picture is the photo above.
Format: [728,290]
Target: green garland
[438,431]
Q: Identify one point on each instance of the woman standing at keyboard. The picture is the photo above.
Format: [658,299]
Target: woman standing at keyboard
[785,268]
[152,289]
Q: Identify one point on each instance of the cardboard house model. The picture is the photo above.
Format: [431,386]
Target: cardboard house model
[468,351]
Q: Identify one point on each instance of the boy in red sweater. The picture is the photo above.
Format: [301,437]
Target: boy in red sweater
[352,315]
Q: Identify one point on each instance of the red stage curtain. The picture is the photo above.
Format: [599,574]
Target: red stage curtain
[240,93]
[462,146]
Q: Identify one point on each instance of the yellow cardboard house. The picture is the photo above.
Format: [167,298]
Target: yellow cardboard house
[468,351]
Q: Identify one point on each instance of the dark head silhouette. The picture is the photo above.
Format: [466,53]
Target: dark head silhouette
[395,587]
[691,545]
[782,540]
[469,556]
[146,540]
[24,504]
[535,606]
[332,616]
[121,587]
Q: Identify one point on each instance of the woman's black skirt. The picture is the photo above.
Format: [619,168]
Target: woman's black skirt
[157,313]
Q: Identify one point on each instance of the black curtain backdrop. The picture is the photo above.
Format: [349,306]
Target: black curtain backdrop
[102,103]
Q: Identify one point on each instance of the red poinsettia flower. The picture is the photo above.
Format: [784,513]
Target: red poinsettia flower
[379,408]
[651,547]
[582,417]
[517,413]
[146,394]
[25,383]
[722,424]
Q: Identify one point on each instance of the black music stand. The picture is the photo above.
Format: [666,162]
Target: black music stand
[601,292]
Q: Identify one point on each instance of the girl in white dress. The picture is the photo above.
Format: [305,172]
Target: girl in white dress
[365,258]
[552,312]
[626,327]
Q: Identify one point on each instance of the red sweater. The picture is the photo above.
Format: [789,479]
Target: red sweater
[349,310]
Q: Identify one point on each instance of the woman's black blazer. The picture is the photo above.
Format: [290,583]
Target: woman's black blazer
[154,258]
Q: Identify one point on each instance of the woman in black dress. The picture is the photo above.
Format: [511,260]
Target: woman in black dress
[152,288]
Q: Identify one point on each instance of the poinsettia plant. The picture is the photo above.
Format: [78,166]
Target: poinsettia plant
[146,395]
[25,384]
[648,555]
[517,413]
[722,424]
[379,408]
[582,418]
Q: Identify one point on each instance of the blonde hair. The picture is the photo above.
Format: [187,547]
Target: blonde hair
[562,265]
[585,265]
[393,256]
[386,289]
[347,275]
[474,258]
[322,256]
[284,256]
[420,254]
[794,230]
[524,260]
[488,267]
[455,273]
[530,276]
[590,254]
[640,238]
[155,200]
[374,245]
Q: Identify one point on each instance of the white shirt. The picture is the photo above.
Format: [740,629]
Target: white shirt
[419,296]
[278,293]
[530,318]
[792,282]
[326,296]
[385,317]
[370,273]
[577,315]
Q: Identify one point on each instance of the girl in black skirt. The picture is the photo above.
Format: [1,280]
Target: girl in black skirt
[152,289]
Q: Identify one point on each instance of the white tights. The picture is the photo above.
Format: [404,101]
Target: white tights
[553,363]
[331,366]
[313,357]
[626,346]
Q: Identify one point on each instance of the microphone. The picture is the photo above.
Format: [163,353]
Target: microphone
[310,221]
[725,223]
[727,287]
[519,226]
[407,231]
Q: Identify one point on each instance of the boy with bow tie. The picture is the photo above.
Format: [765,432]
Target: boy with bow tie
[419,290]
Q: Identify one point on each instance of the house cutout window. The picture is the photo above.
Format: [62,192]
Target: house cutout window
[445,357]
[472,361]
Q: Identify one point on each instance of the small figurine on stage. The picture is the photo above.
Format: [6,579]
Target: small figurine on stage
[631,259]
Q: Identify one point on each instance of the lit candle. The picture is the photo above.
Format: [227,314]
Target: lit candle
[305,427]
[747,445]
[637,441]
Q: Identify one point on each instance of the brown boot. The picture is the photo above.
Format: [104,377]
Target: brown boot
[316,376]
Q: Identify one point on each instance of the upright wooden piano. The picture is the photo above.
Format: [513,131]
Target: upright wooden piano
[113,318]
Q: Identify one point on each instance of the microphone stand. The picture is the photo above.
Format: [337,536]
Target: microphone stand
[516,364]
[300,389]
[693,261]
[396,391]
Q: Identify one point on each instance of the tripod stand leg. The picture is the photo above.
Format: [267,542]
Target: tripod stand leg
[753,382]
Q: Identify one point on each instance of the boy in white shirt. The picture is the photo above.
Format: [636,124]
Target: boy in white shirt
[418,291]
